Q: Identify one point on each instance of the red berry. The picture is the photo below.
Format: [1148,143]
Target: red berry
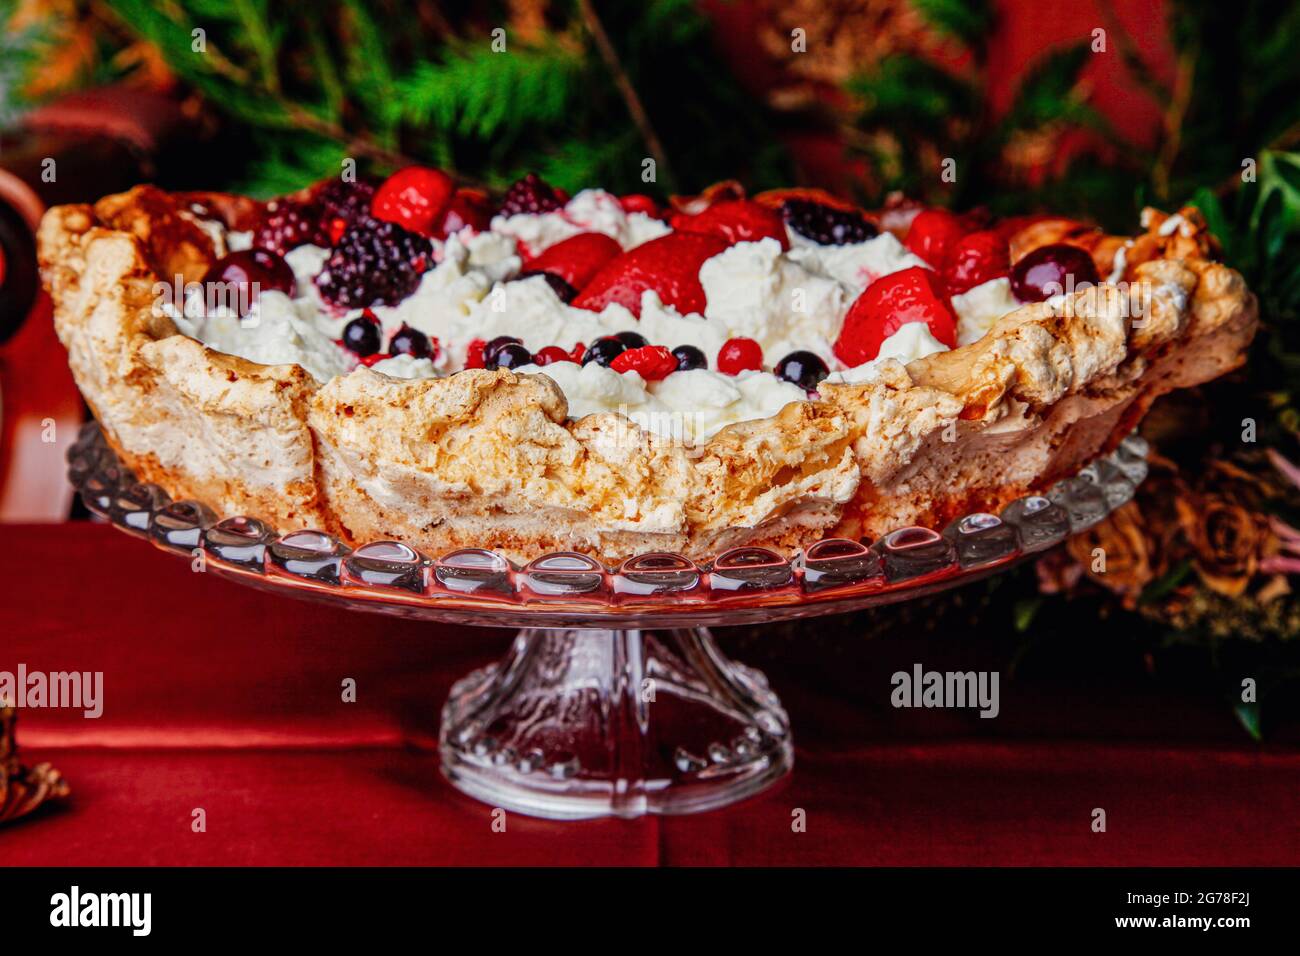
[474,354]
[578,258]
[933,234]
[241,277]
[739,355]
[889,303]
[468,208]
[651,362]
[1051,270]
[551,354]
[577,352]
[669,265]
[975,259]
[735,220]
[638,202]
[414,198]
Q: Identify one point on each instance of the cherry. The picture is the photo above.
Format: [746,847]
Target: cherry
[247,274]
[1052,270]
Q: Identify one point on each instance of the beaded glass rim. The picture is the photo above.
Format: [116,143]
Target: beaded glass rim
[478,586]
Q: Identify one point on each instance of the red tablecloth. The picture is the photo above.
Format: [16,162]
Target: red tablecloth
[226,699]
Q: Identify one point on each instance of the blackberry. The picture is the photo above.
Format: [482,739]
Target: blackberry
[824,225]
[287,224]
[374,262]
[343,204]
[529,195]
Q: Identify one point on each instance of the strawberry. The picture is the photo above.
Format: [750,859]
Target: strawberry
[414,198]
[912,295]
[736,220]
[739,355]
[651,362]
[933,233]
[639,202]
[975,259]
[578,258]
[468,208]
[669,265]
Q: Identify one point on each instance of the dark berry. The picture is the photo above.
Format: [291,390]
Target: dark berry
[1052,270]
[374,262]
[565,292]
[497,344]
[825,225]
[510,355]
[238,279]
[689,357]
[633,340]
[362,336]
[342,204]
[412,342]
[805,369]
[530,195]
[604,350]
[287,224]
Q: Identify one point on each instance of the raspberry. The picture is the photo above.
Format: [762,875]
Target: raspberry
[824,225]
[739,355]
[373,262]
[415,198]
[530,195]
[287,224]
[651,362]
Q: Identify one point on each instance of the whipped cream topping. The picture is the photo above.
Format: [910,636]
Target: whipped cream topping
[592,210]
[980,306]
[785,300]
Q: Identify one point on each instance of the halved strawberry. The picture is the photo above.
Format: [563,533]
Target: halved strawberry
[975,259]
[736,220]
[468,207]
[933,233]
[639,202]
[578,258]
[670,265]
[414,198]
[651,362]
[889,303]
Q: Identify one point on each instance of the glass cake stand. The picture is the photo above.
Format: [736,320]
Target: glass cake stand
[614,698]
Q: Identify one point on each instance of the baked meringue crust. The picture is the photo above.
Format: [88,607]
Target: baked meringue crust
[489,459]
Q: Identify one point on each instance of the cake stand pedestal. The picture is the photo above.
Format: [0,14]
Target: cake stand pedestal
[614,699]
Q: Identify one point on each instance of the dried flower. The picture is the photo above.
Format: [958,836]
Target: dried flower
[1116,554]
[1225,539]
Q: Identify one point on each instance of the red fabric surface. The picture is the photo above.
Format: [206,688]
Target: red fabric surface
[221,697]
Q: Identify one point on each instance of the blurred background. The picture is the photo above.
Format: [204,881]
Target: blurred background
[1092,108]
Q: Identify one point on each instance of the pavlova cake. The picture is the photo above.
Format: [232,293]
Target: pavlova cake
[403,359]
